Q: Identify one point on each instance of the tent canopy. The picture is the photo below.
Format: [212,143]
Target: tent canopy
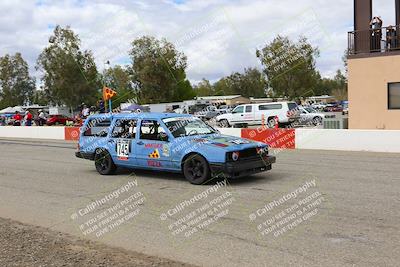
[12,110]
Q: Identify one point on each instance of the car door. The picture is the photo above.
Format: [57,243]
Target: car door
[238,115]
[249,114]
[121,143]
[152,145]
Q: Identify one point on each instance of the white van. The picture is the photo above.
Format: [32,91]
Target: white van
[252,114]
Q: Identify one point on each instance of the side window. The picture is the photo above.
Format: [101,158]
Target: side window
[249,109]
[270,107]
[97,127]
[239,109]
[125,128]
[152,130]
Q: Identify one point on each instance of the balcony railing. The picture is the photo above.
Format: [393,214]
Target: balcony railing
[381,40]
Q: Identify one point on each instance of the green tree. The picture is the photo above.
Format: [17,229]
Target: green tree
[251,83]
[159,71]
[16,86]
[70,74]
[290,67]
[204,88]
[340,90]
[120,79]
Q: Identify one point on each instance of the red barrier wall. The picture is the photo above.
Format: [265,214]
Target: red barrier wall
[275,138]
[71,133]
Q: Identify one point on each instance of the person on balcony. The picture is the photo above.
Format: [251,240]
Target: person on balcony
[376,34]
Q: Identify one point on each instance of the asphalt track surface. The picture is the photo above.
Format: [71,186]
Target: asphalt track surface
[356,224]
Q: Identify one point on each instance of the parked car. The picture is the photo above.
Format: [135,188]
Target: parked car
[310,115]
[223,109]
[207,113]
[333,107]
[169,142]
[252,114]
[57,119]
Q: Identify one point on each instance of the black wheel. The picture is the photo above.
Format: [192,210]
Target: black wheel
[317,121]
[104,163]
[224,123]
[196,169]
[271,122]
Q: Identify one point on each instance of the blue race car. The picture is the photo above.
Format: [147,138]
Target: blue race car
[169,142]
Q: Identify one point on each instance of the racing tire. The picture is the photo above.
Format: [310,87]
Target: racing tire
[104,163]
[224,123]
[196,169]
[317,121]
[271,122]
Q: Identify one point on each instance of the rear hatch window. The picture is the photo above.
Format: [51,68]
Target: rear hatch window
[98,127]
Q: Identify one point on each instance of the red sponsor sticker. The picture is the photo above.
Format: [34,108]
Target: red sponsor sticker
[153,163]
[122,158]
[153,146]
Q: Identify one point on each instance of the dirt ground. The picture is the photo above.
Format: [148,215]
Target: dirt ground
[27,245]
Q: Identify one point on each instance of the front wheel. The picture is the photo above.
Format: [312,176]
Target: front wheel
[196,169]
[317,121]
[104,163]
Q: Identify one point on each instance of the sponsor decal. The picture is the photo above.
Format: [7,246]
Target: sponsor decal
[165,150]
[239,141]
[123,149]
[201,140]
[154,146]
[154,163]
[220,144]
[155,154]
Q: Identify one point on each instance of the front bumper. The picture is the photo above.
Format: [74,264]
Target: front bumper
[242,167]
[84,155]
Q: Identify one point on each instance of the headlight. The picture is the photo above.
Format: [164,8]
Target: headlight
[235,156]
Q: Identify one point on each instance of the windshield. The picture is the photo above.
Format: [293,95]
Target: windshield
[187,126]
[310,110]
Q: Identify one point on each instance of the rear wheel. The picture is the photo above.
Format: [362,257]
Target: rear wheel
[271,122]
[224,123]
[104,163]
[196,169]
[317,121]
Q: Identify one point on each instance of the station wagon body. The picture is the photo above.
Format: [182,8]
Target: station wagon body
[169,142]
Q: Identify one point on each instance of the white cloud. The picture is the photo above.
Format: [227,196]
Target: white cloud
[107,28]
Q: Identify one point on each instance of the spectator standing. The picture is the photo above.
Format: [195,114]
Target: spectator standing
[42,118]
[85,112]
[101,106]
[17,119]
[28,118]
[2,121]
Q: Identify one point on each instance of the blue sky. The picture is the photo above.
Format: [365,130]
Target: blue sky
[218,37]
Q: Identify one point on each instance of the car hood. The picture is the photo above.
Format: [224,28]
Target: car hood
[225,142]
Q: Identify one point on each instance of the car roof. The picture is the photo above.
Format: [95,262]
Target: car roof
[142,115]
[268,103]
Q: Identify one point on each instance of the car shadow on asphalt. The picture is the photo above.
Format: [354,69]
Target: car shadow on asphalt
[258,179]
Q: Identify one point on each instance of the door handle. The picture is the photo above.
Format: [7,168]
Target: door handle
[140,143]
[111,141]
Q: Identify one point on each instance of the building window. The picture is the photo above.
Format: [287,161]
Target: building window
[394,96]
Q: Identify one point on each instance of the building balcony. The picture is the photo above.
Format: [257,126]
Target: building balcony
[374,42]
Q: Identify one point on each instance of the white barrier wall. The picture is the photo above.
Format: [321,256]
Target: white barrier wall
[36,132]
[349,140]
[231,131]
